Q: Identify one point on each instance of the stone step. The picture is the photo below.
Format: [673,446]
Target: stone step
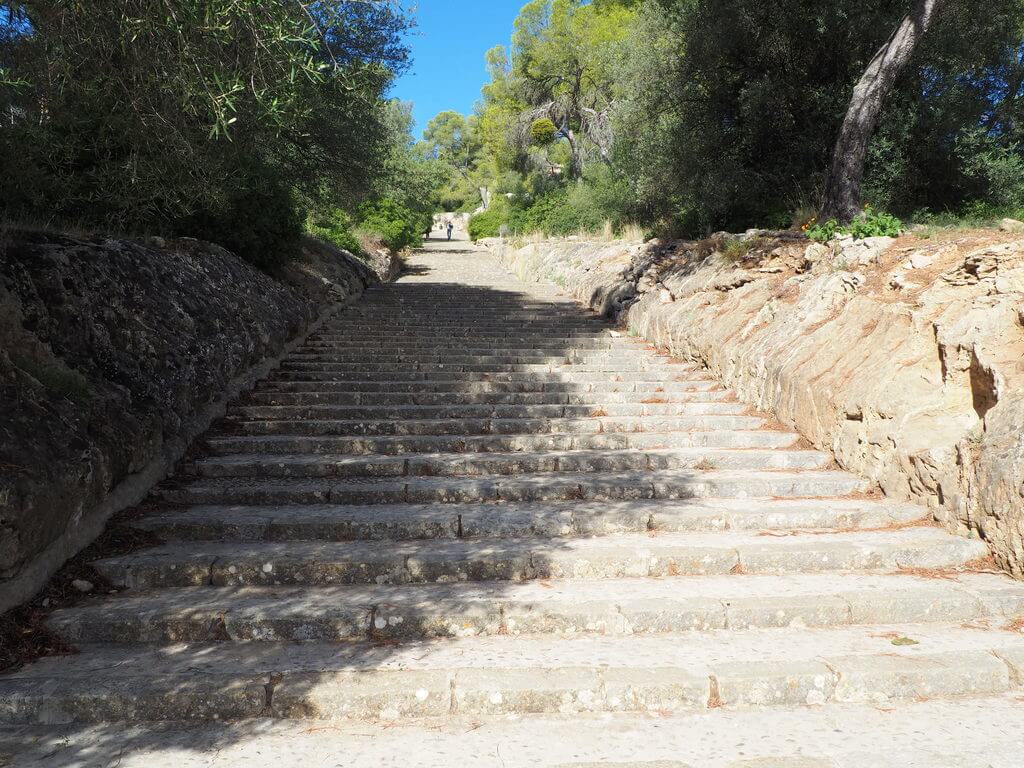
[482,323]
[562,486]
[668,389]
[664,370]
[389,445]
[485,411]
[569,608]
[463,355]
[461,464]
[324,522]
[535,378]
[594,400]
[320,563]
[844,736]
[492,346]
[733,669]
[491,426]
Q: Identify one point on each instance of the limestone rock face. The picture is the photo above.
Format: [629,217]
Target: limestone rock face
[110,348]
[905,358]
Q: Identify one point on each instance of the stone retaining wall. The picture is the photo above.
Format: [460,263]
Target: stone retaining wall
[905,358]
[114,355]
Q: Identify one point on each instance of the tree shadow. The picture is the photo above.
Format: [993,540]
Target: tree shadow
[416,354]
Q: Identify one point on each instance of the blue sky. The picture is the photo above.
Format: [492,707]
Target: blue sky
[448,48]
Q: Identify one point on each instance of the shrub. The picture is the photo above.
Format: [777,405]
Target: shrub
[488,223]
[398,226]
[261,223]
[868,224]
[335,226]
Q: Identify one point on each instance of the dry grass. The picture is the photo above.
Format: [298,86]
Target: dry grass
[705,465]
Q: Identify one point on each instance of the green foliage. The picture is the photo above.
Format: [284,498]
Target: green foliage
[488,223]
[205,118]
[261,220]
[870,224]
[543,131]
[398,226]
[335,226]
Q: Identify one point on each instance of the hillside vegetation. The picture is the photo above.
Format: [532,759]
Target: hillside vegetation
[689,117]
[240,123]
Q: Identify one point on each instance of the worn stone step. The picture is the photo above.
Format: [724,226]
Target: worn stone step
[462,356]
[570,375]
[320,563]
[929,734]
[534,348]
[461,464]
[485,411]
[390,445]
[608,370]
[638,606]
[733,669]
[326,522]
[492,426]
[409,398]
[667,389]
[563,486]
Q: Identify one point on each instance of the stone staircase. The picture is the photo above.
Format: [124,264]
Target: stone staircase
[464,497]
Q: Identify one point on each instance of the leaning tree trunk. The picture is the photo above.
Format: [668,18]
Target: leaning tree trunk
[842,199]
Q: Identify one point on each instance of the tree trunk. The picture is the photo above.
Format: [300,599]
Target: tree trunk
[842,199]
[575,164]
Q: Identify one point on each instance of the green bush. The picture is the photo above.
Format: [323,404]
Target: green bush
[398,226]
[261,223]
[335,226]
[868,224]
[488,223]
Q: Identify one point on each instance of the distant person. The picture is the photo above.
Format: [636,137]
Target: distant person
[450,228]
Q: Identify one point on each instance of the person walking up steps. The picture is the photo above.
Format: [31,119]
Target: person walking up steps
[450,228]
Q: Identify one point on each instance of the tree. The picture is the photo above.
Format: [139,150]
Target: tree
[842,198]
[178,116]
[561,58]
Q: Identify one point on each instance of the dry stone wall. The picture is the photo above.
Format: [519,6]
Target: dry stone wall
[905,358]
[114,354]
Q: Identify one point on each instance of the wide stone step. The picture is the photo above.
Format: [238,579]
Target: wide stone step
[466,411]
[595,400]
[318,563]
[667,389]
[465,356]
[325,522]
[607,369]
[570,375]
[638,606]
[492,426]
[517,675]
[495,346]
[460,464]
[563,486]
[388,445]
[844,736]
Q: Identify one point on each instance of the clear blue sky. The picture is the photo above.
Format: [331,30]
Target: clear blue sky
[448,47]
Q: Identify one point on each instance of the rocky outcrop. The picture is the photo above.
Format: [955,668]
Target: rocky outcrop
[905,358]
[114,354]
